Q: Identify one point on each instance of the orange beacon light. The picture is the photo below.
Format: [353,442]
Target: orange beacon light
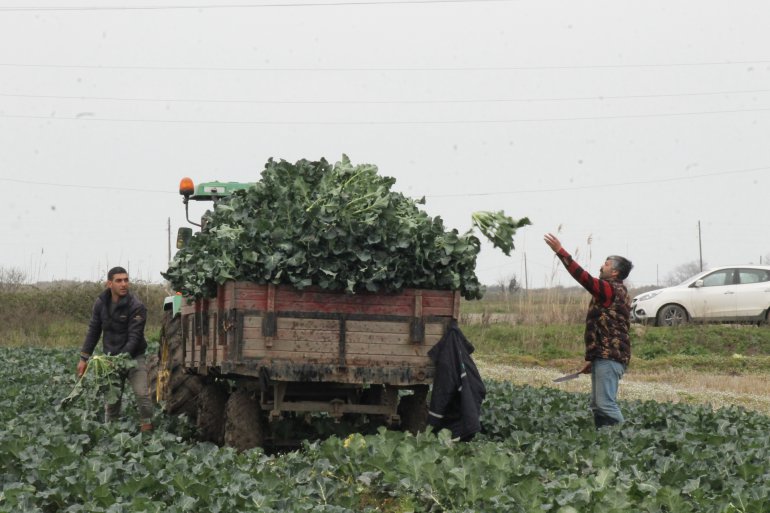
[186,187]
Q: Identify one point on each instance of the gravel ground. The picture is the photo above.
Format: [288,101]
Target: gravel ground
[749,391]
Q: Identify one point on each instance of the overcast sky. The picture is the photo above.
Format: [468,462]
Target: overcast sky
[620,125]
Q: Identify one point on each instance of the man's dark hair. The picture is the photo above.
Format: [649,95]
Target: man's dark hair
[115,270]
[622,265]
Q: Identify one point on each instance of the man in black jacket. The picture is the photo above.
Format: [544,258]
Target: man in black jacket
[120,317]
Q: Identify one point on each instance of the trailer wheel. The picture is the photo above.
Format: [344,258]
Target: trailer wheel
[413,410]
[211,412]
[178,388]
[243,424]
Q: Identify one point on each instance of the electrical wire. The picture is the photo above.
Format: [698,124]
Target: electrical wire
[81,186]
[463,194]
[88,117]
[354,3]
[380,69]
[604,185]
[383,102]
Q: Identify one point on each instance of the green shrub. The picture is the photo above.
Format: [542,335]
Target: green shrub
[647,351]
[57,314]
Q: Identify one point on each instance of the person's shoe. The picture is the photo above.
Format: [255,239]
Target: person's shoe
[601,421]
[145,427]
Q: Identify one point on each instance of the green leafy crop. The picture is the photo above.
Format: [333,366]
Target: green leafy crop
[103,377]
[538,452]
[337,227]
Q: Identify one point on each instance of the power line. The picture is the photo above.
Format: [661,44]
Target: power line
[87,117]
[80,186]
[617,184]
[382,102]
[379,69]
[239,6]
[462,194]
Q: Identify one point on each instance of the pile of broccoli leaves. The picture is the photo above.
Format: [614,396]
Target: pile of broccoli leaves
[337,227]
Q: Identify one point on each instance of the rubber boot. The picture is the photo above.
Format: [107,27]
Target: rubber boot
[601,421]
[145,427]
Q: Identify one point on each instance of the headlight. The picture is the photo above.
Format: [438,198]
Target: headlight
[648,295]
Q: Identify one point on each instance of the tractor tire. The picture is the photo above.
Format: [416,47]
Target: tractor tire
[243,421]
[152,377]
[413,410]
[211,412]
[180,389]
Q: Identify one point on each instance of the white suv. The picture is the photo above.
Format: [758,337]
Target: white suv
[724,294]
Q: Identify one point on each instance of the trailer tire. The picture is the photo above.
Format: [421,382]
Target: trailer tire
[211,412]
[243,421]
[413,410]
[180,389]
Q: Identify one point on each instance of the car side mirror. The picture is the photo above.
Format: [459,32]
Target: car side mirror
[183,237]
[698,284]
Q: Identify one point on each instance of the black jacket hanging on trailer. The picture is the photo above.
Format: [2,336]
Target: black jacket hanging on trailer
[458,390]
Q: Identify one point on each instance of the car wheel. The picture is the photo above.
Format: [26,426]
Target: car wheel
[672,315]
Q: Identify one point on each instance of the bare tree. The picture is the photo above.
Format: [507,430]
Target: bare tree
[508,285]
[502,286]
[513,285]
[12,278]
[683,271]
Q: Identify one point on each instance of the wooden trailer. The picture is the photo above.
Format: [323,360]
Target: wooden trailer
[313,350]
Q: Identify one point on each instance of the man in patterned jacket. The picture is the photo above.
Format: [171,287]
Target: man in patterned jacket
[608,348]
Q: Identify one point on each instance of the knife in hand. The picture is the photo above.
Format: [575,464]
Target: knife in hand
[567,377]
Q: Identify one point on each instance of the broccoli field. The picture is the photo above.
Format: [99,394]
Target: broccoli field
[538,452]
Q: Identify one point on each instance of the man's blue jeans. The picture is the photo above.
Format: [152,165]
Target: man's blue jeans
[605,375]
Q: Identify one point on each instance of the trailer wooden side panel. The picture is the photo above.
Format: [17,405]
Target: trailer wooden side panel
[316,335]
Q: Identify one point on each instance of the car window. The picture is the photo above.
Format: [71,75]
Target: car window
[753,275]
[718,278]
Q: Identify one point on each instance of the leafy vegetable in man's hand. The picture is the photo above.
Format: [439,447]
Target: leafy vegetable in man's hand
[499,228]
[103,376]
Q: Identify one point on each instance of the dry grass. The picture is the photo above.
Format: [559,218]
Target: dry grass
[557,305]
[752,391]
[554,306]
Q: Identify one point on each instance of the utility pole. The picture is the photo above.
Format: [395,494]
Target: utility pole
[700,247]
[526,274]
[168,228]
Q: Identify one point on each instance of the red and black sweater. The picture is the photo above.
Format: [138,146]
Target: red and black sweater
[609,314]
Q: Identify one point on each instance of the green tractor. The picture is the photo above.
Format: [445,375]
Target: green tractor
[170,384]
[207,191]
